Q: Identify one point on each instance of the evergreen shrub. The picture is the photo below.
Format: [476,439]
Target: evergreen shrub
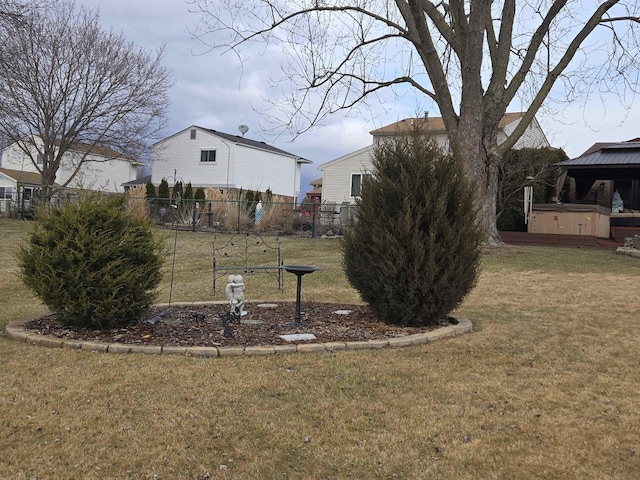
[151,190]
[413,251]
[163,189]
[188,192]
[93,263]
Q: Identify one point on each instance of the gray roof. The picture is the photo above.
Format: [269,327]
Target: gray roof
[623,153]
[254,144]
[138,181]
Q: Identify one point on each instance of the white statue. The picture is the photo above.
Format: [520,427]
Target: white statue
[259,211]
[234,292]
[617,205]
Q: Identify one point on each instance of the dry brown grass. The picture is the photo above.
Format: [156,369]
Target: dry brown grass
[545,388]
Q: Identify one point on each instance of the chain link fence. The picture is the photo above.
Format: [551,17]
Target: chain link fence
[314,219]
[242,216]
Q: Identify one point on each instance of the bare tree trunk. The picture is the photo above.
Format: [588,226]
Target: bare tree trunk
[481,166]
[487,214]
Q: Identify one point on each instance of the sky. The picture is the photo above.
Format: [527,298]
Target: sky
[212,91]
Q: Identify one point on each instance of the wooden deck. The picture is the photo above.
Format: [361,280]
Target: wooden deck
[577,241]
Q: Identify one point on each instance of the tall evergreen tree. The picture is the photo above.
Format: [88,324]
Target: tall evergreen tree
[414,250]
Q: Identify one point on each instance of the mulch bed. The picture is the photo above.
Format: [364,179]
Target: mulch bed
[202,325]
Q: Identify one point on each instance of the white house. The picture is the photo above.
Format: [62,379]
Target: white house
[342,177]
[17,186]
[103,169]
[211,159]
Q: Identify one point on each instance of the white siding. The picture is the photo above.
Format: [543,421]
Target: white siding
[178,158]
[105,175]
[96,173]
[236,165]
[533,136]
[261,170]
[14,159]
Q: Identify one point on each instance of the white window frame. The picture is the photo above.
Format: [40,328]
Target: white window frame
[7,193]
[351,192]
[208,155]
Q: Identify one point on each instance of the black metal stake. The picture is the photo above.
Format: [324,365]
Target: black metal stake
[298,289]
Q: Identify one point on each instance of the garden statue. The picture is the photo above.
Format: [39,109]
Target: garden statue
[617,205]
[259,211]
[235,293]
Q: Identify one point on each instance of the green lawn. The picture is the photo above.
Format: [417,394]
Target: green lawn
[546,387]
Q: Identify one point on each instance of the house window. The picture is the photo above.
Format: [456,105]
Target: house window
[208,156]
[6,193]
[39,160]
[356,184]
[193,134]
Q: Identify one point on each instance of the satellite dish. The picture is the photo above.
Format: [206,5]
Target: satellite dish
[243,129]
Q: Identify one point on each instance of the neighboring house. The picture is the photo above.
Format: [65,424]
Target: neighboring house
[137,182]
[16,189]
[103,169]
[316,191]
[211,159]
[533,136]
[342,177]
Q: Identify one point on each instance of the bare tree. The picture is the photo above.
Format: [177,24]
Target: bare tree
[67,85]
[473,58]
[13,11]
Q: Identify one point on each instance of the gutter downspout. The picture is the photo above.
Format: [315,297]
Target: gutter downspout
[228,161]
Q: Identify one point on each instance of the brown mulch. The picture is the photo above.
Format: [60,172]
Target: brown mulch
[202,325]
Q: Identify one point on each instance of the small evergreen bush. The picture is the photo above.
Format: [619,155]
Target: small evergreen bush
[414,250]
[151,190]
[93,263]
[177,192]
[163,189]
[188,192]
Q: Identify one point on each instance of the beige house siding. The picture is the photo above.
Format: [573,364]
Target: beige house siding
[336,182]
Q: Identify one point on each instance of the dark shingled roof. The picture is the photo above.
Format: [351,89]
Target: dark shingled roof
[253,143]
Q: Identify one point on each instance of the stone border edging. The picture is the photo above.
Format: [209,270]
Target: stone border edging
[15,331]
[631,252]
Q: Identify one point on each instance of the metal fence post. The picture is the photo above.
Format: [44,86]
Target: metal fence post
[313,218]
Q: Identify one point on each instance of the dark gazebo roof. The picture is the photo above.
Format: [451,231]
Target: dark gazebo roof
[603,161]
[613,155]
[611,161]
